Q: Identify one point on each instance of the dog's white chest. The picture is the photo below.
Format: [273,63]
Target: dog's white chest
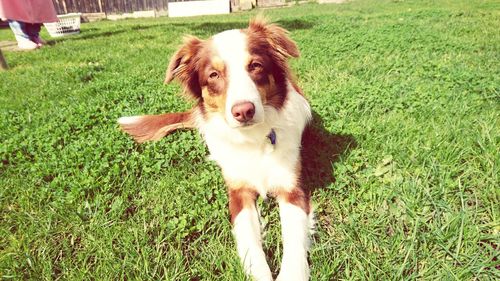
[263,166]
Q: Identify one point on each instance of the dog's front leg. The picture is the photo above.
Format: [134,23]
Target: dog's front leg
[295,216]
[246,230]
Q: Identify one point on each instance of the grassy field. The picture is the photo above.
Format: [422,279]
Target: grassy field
[411,88]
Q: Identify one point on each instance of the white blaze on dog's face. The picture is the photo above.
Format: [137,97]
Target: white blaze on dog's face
[236,74]
[243,99]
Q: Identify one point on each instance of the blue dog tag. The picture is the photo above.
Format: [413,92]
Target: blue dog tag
[272,137]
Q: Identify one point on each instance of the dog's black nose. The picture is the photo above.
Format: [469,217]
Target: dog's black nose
[243,111]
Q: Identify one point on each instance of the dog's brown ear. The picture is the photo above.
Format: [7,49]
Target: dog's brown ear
[182,66]
[277,37]
[154,127]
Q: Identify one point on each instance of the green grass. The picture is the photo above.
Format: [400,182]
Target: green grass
[413,84]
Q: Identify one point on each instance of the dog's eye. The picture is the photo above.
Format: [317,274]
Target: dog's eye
[255,65]
[214,75]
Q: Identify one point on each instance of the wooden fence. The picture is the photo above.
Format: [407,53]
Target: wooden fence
[108,6]
[117,7]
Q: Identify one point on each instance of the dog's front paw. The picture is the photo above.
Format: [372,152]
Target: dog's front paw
[294,272]
[261,274]
[293,276]
[265,278]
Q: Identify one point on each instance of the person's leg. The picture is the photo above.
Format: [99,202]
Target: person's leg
[22,38]
[33,31]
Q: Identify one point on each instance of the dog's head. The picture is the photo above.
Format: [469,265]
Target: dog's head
[236,74]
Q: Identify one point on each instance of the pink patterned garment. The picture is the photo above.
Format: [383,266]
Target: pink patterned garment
[31,11]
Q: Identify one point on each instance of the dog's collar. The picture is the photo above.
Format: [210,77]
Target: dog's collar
[272,137]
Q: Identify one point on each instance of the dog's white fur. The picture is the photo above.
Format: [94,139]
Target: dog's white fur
[246,231]
[295,232]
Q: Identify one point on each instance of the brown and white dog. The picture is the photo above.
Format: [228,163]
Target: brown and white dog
[251,116]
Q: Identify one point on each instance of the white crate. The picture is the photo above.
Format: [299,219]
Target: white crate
[67,24]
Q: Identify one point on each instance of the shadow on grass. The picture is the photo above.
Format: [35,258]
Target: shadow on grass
[199,29]
[94,33]
[320,150]
[210,28]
